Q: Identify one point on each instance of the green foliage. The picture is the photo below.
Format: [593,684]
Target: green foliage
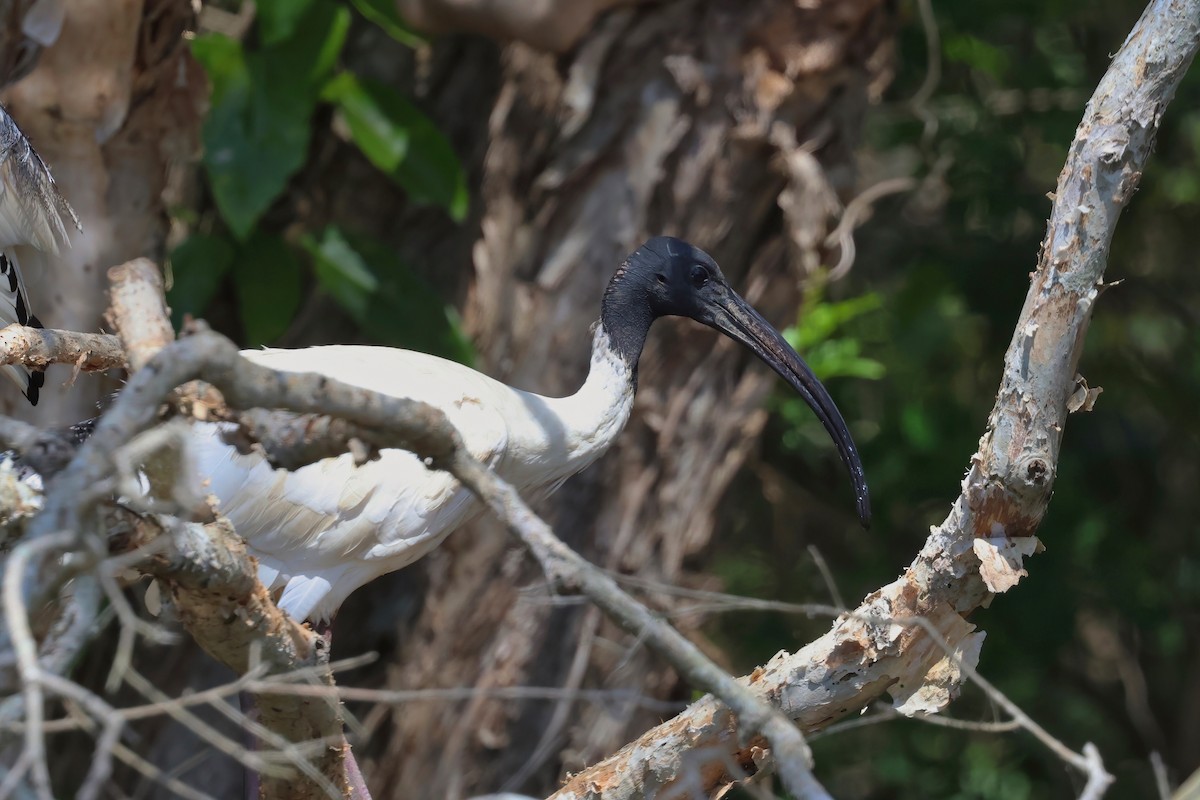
[198,266]
[401,141]
[278,19]
[815,335]
[385,298]
[256,135]
[1101,639]
[267,281]
[268,93]
[824,335]
[383,13]
[976,54]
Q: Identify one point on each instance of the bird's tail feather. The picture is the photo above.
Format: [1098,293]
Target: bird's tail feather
[14,309]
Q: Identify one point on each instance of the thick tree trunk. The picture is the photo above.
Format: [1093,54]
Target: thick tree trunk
[729,123]
[112,103]
[700,119]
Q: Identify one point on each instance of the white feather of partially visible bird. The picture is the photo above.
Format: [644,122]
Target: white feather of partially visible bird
[33,213]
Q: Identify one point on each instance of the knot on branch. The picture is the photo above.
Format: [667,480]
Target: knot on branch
[1034,473]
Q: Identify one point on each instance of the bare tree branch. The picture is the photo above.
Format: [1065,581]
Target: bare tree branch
[214,585]
[138,310]
[978,550]
[37,347]
[898,641]
[424,430]
[567,569]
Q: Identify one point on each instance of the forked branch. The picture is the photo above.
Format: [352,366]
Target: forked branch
[978,550]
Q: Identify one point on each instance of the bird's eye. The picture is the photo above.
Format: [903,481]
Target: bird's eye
[661,278]
[699,276]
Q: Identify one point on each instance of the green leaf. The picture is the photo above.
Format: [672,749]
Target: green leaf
[917,427]
[838,358]
[224,62]
[342,272]
[384,297]
[398,139]
[198,266]
[384,14]
[976,53]
[257,133]
[277,19]
[319,42]
[267,279]
[819,320]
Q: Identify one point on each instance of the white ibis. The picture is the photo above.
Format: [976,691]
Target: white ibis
[31,215]
[322,531]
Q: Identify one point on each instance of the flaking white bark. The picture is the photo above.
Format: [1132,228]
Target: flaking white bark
[1007,488]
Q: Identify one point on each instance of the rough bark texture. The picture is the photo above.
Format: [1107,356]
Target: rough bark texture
[110,106]
[664,119]
[545,24]
[979,549]
[729,123]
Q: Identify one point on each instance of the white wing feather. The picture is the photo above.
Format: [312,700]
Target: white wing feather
[324,530]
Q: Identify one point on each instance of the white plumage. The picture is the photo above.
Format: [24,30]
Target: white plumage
[324,530]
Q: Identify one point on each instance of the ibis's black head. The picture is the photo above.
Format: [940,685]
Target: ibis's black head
[669,277]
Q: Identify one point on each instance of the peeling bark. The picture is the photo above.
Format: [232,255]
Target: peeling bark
[1007,489]
[670,118]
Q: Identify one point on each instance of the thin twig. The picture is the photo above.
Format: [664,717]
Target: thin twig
[835,594]
[13,776]
[152,772]
[16,615]
[919,102]
[111,725]
[566,568]
[854,214]
[1162,781]
[401,696]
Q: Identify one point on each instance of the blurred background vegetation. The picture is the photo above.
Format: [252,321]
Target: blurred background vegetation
[1102,642]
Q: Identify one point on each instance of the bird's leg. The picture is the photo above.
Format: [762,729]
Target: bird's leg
[354,779]
[251,781]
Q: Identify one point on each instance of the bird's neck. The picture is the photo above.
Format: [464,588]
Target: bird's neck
[591,419]
[625,318]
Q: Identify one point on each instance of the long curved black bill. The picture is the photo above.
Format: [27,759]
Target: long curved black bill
[738,320]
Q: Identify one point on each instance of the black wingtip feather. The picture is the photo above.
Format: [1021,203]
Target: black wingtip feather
[37,379]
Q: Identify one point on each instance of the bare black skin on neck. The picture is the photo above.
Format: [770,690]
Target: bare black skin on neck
[669,277]
[653,282]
